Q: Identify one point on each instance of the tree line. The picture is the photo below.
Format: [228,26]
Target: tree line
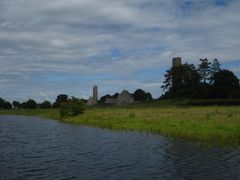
[206,81]
[32,104]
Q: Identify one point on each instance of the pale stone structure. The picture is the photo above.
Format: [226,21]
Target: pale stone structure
[95,94]
[125,98]
[94,99]
[111,101]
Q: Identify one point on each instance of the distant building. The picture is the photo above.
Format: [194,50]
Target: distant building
[94,99]
[176,62]
[111,101]
[124,98]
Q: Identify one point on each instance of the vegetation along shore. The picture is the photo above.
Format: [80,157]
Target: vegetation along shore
[208,124]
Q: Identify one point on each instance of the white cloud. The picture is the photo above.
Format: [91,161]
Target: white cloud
[76,38]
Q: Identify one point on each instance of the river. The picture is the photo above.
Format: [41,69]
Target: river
[35,148]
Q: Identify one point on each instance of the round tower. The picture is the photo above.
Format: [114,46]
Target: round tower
[95,94]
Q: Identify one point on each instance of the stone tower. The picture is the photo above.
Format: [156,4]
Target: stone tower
[95,94]
[177,61]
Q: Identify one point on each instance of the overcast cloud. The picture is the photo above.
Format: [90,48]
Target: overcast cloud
[49,47]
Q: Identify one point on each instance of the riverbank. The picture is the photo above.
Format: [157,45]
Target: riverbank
[211,124]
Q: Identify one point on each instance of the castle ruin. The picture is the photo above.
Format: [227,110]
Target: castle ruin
[176,62]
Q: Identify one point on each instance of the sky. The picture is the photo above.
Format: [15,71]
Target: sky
[50,47]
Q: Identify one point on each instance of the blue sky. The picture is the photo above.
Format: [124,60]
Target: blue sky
[50,47]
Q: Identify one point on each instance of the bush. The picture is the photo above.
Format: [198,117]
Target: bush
[72,107]
[45,105]
[30,104]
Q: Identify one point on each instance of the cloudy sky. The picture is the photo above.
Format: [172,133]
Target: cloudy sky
[48,47]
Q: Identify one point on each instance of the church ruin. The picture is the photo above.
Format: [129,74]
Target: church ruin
[124,98]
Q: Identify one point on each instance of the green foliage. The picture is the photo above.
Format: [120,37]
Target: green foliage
[204,69]
[5,104]
[30,104]
[72,107]
[225,83]
[208,82]
[61,98]
[45,105]
[181,80]
[103,98]
[140,95]
[16,104]
[212,124]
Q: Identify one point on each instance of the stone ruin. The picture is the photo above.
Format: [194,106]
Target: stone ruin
[124,98]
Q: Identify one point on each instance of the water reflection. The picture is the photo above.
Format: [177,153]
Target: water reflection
[33,148]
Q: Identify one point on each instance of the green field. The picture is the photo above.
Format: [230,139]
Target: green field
[210,124]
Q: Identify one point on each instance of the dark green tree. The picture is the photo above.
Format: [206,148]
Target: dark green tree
[140,95]
[61,98]
[225,83]
[2,102]
[115,95]
[45,105]
[30,104]
[215,67]
[16,104]
[103,98]
[72,107]
[7,105]
[204,69]
[181,80]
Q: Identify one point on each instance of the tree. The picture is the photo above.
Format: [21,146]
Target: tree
[103,98]
[215,67]
[72,107]
[7,105]
[45,105]
[61,98]
[204,69]
[180,80]
[16,104]
[115,95]
[30,104]
[225,83]
[2,102]
[140,95]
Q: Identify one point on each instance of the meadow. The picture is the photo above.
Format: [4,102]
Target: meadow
[204,124]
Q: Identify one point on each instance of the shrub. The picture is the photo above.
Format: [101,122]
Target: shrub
[72,107]
[45,105]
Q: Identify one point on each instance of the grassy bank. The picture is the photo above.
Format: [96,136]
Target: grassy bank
[213,124]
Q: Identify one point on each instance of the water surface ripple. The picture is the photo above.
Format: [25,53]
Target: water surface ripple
[35,148]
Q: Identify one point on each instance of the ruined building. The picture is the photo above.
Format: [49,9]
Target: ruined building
[124,98]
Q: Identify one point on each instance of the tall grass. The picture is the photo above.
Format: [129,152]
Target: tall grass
[213,124]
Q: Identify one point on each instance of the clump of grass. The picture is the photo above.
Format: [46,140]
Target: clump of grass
[131,115]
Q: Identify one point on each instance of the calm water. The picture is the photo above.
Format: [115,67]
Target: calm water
[33,148]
